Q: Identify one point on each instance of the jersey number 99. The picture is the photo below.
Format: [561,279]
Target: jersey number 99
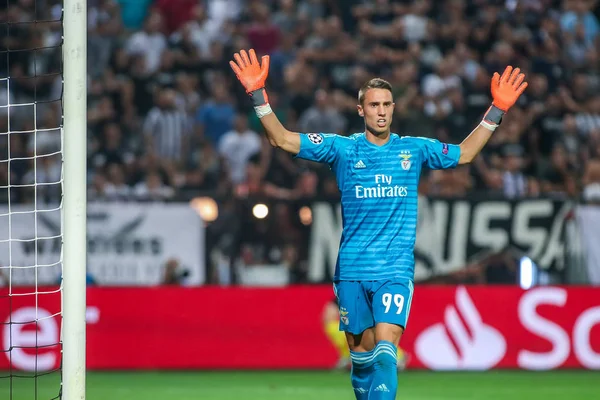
[398,300]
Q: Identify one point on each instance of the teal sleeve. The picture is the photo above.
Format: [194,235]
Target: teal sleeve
[438,155]
[319,147]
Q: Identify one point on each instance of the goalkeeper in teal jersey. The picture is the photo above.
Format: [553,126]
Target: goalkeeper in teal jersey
[377,174]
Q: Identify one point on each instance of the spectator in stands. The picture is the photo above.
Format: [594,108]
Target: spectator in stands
[591,182]
[201,31]
[166,128]
[557,174]
[104,26]
[112,148]
[173,273]
[514,182]
[216,116]
[152,188]
[115,187]
[134,13]
[176,13]
[187,98]
[264,36]
[323,116]
[578,16]
[237,146]
[149,43]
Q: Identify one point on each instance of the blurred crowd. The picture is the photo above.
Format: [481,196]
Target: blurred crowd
[167,119]
[167,115]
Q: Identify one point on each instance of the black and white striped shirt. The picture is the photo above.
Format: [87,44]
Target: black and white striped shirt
[587,122]
[167,128]
[514,184]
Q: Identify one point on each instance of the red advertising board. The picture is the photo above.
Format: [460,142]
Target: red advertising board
[463,327]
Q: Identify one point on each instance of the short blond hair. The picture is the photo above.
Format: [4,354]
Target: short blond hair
[375,83]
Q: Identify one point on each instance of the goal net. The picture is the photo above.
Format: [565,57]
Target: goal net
[42,67]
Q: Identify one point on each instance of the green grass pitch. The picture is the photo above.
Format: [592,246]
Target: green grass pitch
[318,385]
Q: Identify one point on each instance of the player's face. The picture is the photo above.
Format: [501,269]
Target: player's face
[377,110]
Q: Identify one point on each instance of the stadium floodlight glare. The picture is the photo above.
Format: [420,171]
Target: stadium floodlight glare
[206,207]
[305,214]
[527,273]
[260,211]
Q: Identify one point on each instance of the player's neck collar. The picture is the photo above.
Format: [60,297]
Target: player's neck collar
[378,146]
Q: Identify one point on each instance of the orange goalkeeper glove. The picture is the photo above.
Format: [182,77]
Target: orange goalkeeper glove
[252,75]
[506,90]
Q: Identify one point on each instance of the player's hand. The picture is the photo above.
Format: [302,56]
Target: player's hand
[507,88]
[249,71]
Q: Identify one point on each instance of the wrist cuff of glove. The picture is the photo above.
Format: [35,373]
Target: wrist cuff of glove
[492,117]
[263,110]
[259,97]
[261,102]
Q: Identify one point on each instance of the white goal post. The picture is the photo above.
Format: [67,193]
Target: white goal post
[74,198]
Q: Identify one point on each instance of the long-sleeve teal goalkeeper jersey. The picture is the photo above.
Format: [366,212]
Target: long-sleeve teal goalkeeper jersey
[378,186]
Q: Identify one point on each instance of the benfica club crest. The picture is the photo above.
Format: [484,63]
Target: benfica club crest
[405,155]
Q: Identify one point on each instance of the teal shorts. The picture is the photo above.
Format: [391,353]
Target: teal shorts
[364,304]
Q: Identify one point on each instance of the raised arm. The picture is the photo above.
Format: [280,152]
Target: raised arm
[252,76]
[506,90]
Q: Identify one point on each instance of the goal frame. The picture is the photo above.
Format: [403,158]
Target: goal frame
[74,198]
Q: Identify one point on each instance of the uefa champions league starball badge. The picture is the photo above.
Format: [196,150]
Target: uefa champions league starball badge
[316,138]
